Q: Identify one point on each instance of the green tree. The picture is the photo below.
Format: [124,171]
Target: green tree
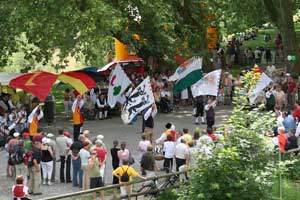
[237,16]
[87,26]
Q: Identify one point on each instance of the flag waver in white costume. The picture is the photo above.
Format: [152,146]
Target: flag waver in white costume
[33,120]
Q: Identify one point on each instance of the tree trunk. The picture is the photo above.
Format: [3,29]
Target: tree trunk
[287,29]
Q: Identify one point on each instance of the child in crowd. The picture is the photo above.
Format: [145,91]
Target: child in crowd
[20,190]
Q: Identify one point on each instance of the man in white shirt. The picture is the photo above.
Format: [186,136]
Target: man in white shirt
[181,154]
[63,149]
[169,149]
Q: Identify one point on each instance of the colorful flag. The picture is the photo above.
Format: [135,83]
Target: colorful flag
[208,85]
[140,98]
[187,74]
[261,84]
[81,80]
[38,83]
[118,82]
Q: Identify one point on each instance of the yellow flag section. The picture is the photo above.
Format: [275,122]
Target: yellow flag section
[121,50]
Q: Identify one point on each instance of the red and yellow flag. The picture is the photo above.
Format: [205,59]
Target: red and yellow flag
[81,80]
[38,83]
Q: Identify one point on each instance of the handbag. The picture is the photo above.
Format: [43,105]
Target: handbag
[131,159]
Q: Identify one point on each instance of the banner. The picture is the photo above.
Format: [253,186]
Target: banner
[118,82]
[187,74]
[140,98]
[261,84]
[208,85]
[38,83]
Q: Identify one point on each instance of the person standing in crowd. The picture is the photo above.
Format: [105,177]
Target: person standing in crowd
[288,121]
[227,82]
[65,159]
[123,153]
[181,154]
[96,180]
[280,98]
[186,136]
[101,155]
[125,173]
[148,164]
[76,163]
[19,155]
[11,143]
[270,99]
[102,106]
[115,162]
[291,92]
[199,106]
[296,113]
[67,101]
[169,149]
[143,144]
[148,121]
[210,113]
[49,109]
[46,161]
[52,144]
[35,169]
[84,154]
[33,120]
[77,116]
[20,190]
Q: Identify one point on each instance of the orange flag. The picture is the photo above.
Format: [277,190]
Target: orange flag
[38,83]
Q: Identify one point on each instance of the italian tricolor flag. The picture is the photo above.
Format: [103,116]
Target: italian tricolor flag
[187,74]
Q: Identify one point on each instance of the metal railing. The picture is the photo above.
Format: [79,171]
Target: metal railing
[116,186]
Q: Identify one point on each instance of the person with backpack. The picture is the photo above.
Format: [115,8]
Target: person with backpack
[11,143]
[125,174]
[19,155]
[35,169]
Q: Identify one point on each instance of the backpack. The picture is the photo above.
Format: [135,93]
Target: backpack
[18,155]
[125,176]
[28,159]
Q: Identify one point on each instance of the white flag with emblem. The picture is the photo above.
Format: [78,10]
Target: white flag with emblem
[208,85]
[261,84]
[140,98]
[118,82]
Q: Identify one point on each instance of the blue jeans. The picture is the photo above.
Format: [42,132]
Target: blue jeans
[77,172]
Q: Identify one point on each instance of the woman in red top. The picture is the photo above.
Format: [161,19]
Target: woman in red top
[101,155]
[20,190]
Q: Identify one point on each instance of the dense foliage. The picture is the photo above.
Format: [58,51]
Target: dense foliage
[245,168]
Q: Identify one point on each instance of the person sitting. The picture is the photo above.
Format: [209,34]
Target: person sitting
[102,106]
[89,107]
[20,190]
[165,102]
[292,141]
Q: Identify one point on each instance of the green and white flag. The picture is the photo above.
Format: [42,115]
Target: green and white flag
[118,82]
[187,74]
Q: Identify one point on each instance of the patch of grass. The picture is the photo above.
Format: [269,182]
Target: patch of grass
[290,190]
[58,92]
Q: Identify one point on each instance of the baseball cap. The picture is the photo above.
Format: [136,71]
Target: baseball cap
[16,134]
[25,134]
[50,135]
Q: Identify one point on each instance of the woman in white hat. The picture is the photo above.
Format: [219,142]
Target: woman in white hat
[46,160]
